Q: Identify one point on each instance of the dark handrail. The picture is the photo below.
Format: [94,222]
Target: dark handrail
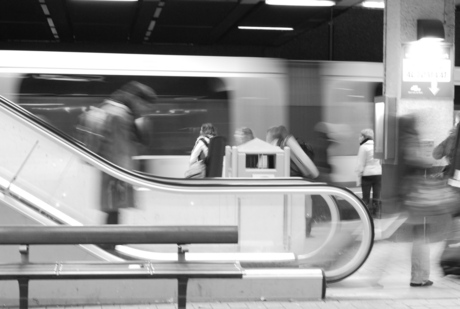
[117,234]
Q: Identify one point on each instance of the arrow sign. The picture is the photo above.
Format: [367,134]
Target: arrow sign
[434,87]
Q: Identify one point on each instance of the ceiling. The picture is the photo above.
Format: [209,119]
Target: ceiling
[162,22]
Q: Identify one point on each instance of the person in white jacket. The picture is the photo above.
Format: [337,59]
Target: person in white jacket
[369,171]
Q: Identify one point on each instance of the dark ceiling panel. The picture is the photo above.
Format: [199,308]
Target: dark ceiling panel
[102,20]
[180,35]
[25,32]
[20,11]
[195,13]
[284,16]
[110,25]
[23,20]
[110,33]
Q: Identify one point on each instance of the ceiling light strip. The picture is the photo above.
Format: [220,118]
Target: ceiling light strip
[47,14]
[265,28]
[373,4]
[301,2]
[153,22]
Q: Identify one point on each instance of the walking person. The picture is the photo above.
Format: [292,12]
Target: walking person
[369,172]
[412,168]
[110,131]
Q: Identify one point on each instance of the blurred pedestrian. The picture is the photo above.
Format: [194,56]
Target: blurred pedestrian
[412,167]
[321,145]
[301,164]
[110,131]
[243,135]
[446,149]
[369,171]
[197,164]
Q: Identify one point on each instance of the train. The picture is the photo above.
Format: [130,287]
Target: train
[230,92]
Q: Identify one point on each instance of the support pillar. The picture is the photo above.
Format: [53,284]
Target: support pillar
[434,112]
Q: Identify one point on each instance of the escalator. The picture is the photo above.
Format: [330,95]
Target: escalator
[47,178]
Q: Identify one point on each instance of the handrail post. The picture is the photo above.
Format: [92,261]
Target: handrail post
[181,293]
[24,250]
[23,293]
[181,253]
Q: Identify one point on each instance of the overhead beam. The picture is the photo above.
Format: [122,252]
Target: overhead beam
[232,19]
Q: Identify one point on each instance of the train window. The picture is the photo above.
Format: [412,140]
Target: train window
[169,127]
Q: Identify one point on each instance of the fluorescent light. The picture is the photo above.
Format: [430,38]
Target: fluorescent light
[266,28]
[301,2]
[373,4]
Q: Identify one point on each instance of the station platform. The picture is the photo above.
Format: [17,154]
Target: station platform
[382,282]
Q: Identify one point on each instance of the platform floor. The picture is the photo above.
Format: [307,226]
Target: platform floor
[382,282]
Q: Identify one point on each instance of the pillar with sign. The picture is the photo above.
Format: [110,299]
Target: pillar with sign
[417,79]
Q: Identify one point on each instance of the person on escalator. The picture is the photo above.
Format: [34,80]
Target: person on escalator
[110,131]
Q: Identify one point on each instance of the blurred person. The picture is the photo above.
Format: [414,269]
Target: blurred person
[301,164]
[197,164]
[412,165]
[243,135]
[446,149]
[110,131]
[321,145]
[369,171]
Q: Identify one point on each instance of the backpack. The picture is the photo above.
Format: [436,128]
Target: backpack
[307,148]
[215,158]
[91,129]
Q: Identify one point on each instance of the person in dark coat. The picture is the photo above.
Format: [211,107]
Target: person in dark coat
[119,142]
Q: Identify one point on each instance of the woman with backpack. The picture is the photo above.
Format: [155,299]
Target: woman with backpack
[199,152]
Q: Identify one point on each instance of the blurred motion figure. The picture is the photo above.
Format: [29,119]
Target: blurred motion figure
[412,166]
[301,164]
[110,131]
[446,149]
[243,135]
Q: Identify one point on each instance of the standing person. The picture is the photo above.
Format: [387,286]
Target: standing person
[200,151]
[412,166]
[115,137]
[369,171]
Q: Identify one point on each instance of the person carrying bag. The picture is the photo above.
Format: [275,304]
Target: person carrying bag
[199,154]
